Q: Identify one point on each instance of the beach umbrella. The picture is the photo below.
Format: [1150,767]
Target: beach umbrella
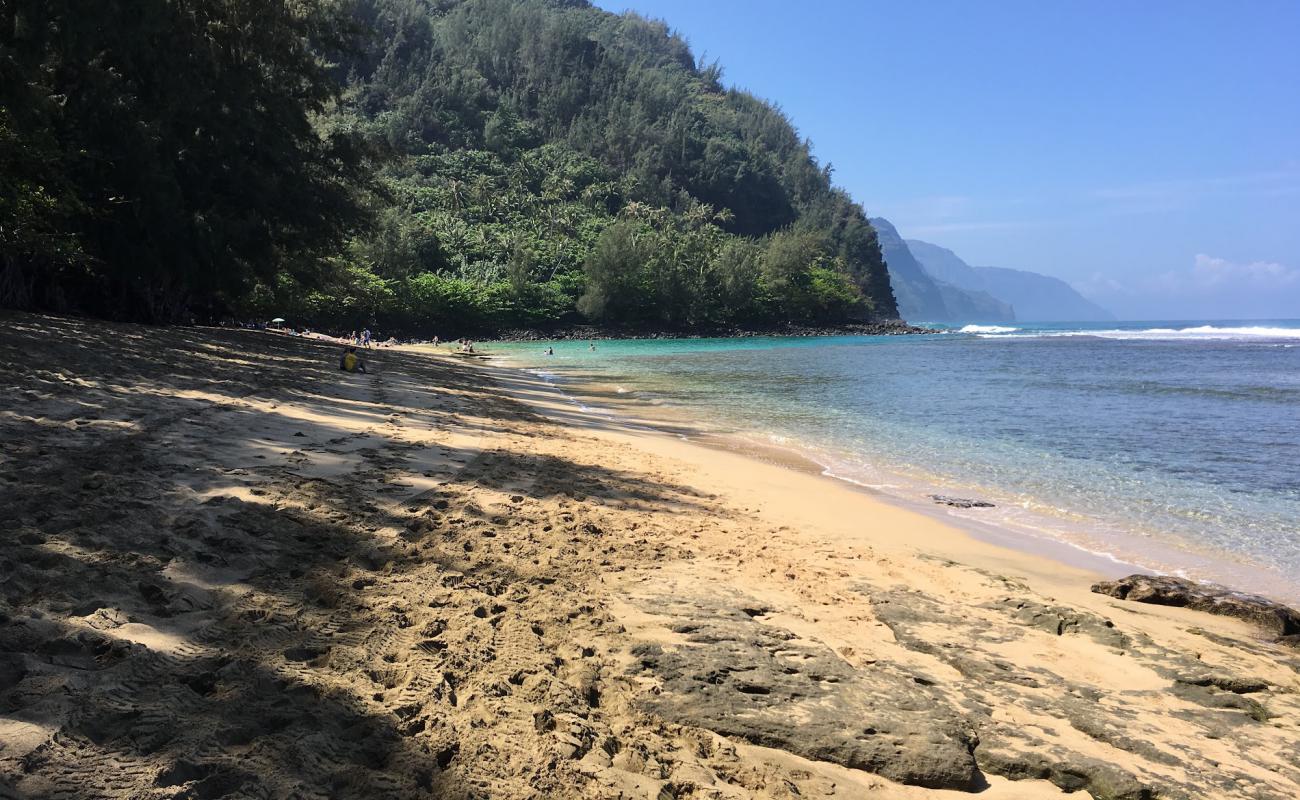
[279,320]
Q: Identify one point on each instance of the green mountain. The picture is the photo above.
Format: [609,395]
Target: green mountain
[1036,298]
[924,298]
[555,163]
[436,166]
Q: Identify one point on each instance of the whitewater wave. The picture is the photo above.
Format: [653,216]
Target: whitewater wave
[1204,333]
[1208,332]
[986,329]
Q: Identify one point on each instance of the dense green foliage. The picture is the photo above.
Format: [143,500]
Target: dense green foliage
[542,163]
[164,157]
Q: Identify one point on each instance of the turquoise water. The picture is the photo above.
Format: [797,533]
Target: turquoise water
[1173,445]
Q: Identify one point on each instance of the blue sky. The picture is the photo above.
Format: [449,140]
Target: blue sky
[1147,152]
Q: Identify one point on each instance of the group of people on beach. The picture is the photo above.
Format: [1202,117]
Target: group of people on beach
[462,345]
[350,361]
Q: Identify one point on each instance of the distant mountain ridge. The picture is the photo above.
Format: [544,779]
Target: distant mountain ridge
[1035,297]
[922,298]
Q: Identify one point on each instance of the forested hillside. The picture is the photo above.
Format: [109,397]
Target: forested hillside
[416,165]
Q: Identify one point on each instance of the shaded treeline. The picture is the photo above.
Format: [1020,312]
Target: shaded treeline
[415,165]
[166,157]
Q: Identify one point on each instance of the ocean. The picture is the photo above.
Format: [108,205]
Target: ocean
[1169,446]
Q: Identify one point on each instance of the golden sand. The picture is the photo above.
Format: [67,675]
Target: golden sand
[232,570]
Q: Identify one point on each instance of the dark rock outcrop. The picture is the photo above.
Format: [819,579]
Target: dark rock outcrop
[945,696]
[1017,751]
[1069,771]
[960,502]
[743,678]
[1278,621]
[1060,620]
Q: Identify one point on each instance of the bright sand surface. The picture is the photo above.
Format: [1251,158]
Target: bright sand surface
[232,570]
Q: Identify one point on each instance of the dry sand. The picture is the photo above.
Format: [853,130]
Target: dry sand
[230,570]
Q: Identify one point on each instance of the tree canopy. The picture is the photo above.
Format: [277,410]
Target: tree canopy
[163,157]
[416,165]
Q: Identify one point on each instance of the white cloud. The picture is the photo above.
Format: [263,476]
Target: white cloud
[1210,288]
[1209,272]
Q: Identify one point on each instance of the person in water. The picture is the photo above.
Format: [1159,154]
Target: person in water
[351,362]
[591,346]
[550,351]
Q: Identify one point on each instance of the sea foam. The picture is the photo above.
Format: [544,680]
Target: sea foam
[986,329]
[1200,332]
[1203,333]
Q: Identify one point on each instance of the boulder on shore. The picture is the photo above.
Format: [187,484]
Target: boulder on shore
[1279,621]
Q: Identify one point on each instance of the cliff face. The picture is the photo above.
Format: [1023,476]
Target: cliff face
[922,298]
[918,296]
[945,265]
[1036,297]
[965,305]
[1041,298]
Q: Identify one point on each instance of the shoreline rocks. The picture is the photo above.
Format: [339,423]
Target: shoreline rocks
[738,676]
[1279,621]
[960,502]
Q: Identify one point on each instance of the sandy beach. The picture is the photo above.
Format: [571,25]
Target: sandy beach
[231,570]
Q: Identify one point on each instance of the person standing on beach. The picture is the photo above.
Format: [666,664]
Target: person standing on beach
[365,338]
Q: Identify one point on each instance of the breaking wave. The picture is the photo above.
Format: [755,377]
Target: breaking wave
[1208,332]
[986,329]
[1202,333]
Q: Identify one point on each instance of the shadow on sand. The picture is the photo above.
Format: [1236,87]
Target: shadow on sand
[179,623]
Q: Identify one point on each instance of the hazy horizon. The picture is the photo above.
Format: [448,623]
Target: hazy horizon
[1147,154]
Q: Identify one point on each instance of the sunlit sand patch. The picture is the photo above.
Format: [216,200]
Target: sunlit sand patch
[19,737]
[157,640]
[208,578]
[238,491]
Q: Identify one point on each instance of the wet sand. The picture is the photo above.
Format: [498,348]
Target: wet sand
[231,570]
